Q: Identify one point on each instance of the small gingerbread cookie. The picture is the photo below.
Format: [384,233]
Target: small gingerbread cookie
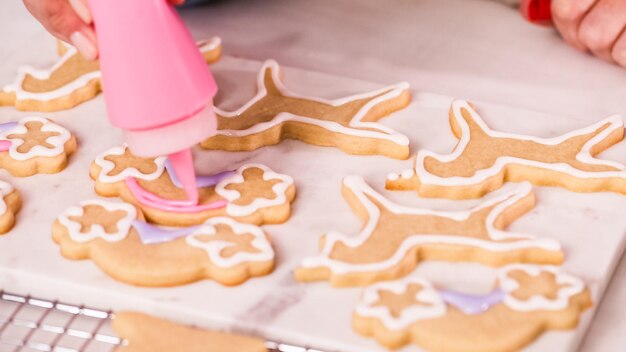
[34,145]
[10,204]
[484,159]
[252,194]
[144,333]
[115,236]
[349,123]
[396,238]
[69,82]
[527,301]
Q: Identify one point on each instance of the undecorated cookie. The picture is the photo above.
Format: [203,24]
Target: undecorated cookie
[115,236]
[34,145]
[526,301]
[252,194]
[484,159]
[69,82]
[395,238]
[349,123]
[10,204]
[145,333]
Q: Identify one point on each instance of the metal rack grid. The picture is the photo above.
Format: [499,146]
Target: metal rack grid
[29,324]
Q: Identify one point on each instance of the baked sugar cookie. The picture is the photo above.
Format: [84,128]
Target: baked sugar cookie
[34,145]
[70,81]
[395,238]
[252,194]
[484,159]
[10,204]
[118,240]
[145,333]
[349,124]
[527,301]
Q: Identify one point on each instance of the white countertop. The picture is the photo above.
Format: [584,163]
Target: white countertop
[431,44]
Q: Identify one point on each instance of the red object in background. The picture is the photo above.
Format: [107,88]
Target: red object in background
[537,11]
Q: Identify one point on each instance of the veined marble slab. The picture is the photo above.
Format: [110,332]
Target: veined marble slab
[591,227]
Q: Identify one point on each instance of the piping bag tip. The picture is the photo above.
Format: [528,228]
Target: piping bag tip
[182,163]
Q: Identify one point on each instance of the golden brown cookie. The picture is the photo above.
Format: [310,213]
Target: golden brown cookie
[252,194]
[484,159]
[395,238]
[145,333]
[34,145]
[527,301]
[349,124]
[10,204]
[69,82]
[118,240]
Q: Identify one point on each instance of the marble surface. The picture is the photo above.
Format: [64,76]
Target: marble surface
[589,226]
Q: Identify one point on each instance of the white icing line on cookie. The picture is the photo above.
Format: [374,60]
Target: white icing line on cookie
[97,231]
[362,190]
[280,189]
[58,142]
[214,248]
[5,189]
[433,306]
[65,90]
[209,44]
[539,302]
[80,82]
[615,122]
[107,166]
[356,122]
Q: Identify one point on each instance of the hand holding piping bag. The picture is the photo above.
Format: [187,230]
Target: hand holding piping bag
[70,21]
[158,88]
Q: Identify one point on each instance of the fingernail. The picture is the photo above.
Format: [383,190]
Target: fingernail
[85,46]
[81,10]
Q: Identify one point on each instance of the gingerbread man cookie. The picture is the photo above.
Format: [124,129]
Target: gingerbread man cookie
[34,145]
[527,301]
[69,82]
[252,194]
[115,236]
[10,204]
[349,123]
[484,159]
[144,333]
[396,238]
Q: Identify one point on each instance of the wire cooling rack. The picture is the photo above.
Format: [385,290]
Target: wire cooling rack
[29,324]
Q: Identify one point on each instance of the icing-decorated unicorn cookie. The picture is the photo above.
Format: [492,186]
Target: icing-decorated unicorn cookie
[10,204]
[526,301]
[34,145]
[484,159]
[69,82]
[115,236]
[145,333]
[396,238]
[349,123]
[252,194]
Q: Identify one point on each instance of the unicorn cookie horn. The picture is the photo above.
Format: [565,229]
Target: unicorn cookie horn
[158,87]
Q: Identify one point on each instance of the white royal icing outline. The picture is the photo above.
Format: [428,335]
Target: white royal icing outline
[214,248]
[280,189]
[37,151]
[80,82]
[539,302]
[386,132]
[97,231]
[433,296]
[5,189]
[360,189]
[428,294]
[107,166]
[585,156]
